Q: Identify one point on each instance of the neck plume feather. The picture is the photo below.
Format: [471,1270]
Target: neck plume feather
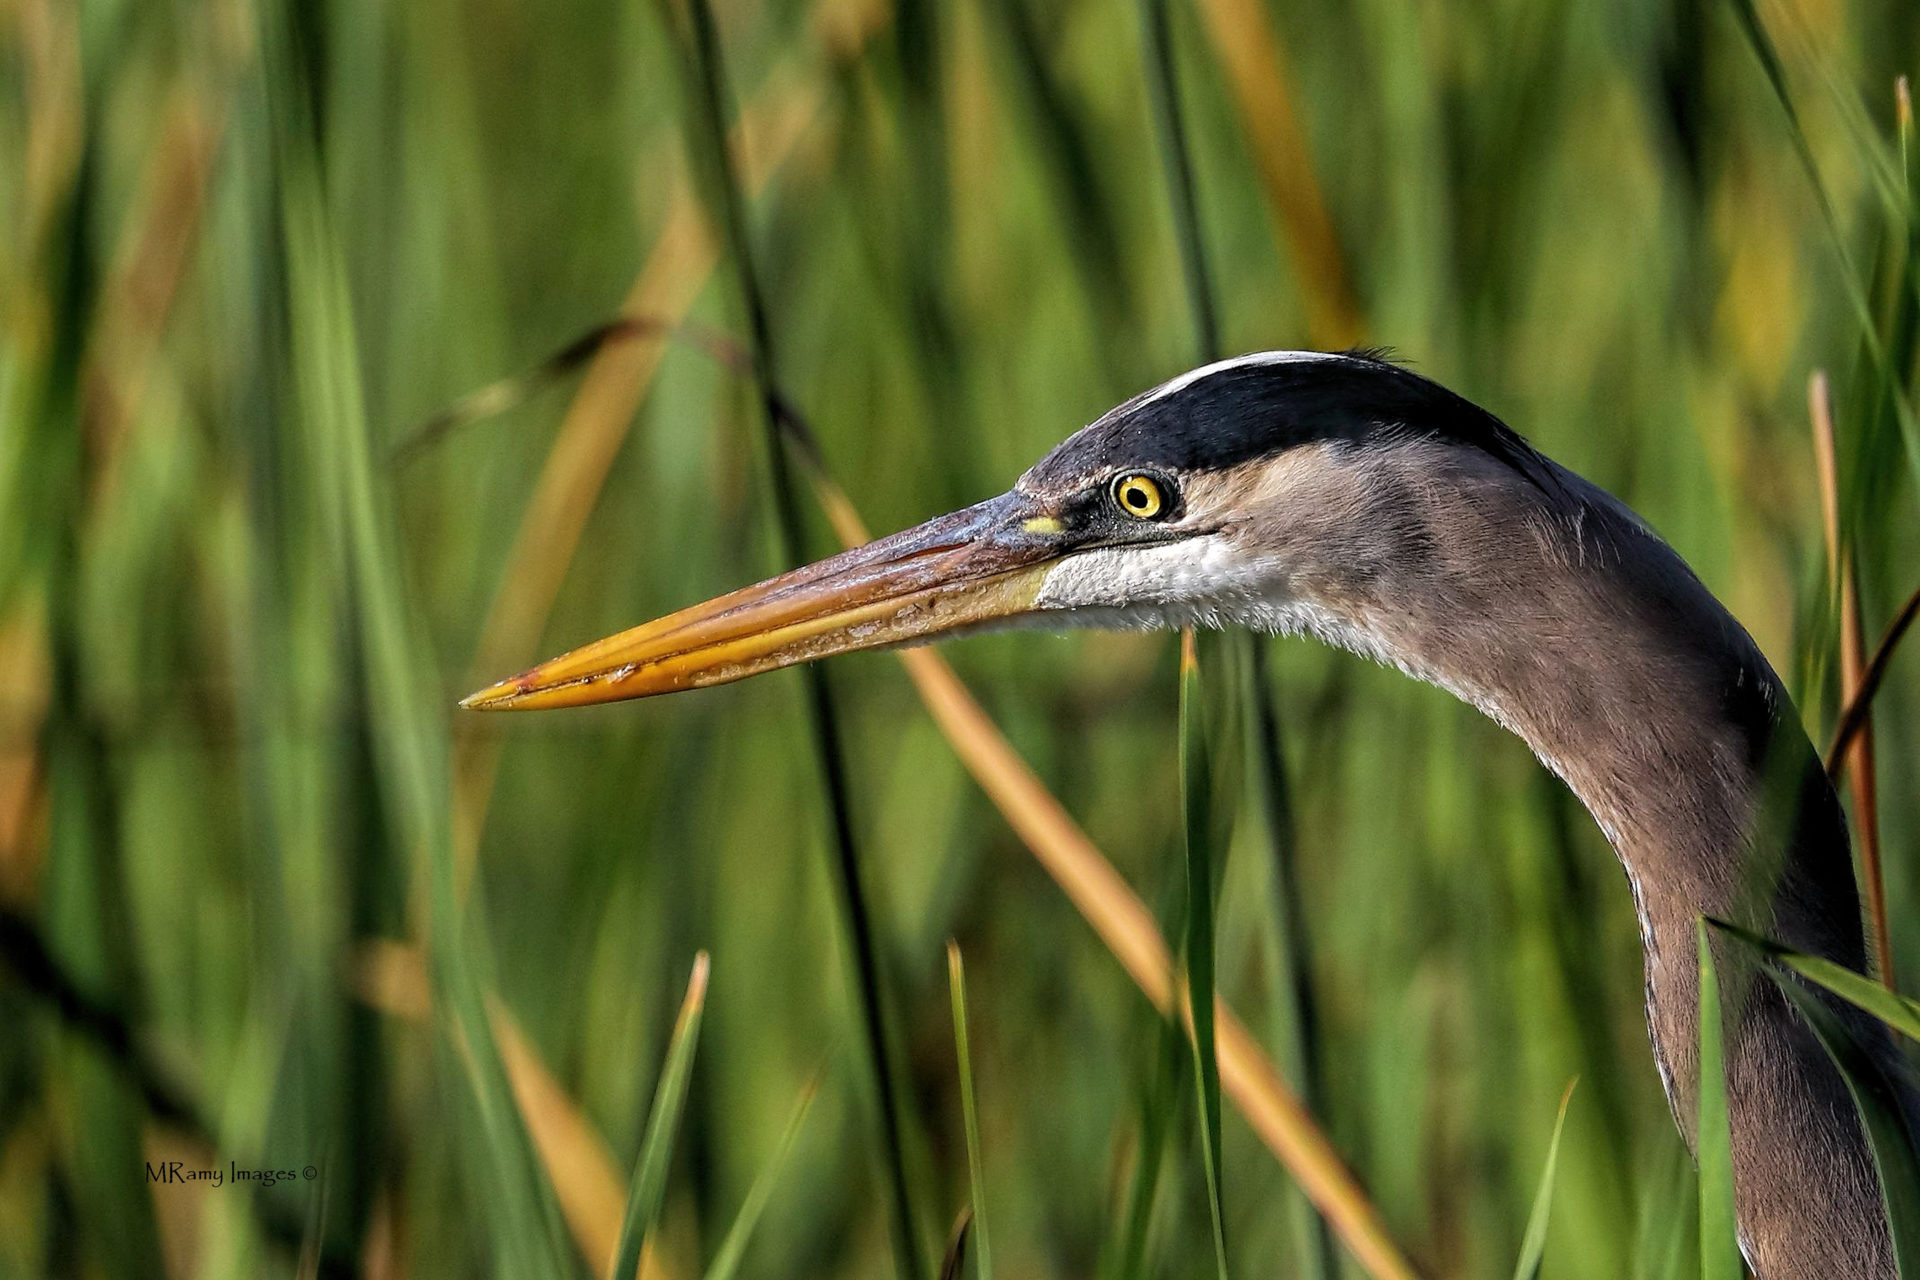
[1551,607]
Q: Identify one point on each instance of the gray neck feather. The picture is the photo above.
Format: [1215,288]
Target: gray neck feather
[1550,606]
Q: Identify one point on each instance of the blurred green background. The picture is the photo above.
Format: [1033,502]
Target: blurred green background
[248,250]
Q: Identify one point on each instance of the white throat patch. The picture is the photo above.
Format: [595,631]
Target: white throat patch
[1203,581]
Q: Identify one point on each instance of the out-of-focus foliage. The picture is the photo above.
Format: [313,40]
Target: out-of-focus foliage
[248,247]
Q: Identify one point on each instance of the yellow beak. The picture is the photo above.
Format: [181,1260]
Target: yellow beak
[969,569]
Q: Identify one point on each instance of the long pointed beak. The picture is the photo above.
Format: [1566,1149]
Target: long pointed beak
[969,569]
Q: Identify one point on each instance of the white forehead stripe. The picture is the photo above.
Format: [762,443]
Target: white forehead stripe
[1256,360]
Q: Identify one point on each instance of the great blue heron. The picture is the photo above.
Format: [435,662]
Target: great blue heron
[1344,497]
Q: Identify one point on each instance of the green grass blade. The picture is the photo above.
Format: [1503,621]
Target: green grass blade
[1898,1012]
[1534,1244]
[1893,1149]
[1873,1095]
[976,1176]
[1159,1106]
[649,1185]
[726,1262]
[409,736]
[1197,804]
[1910,177]
[1719,1242]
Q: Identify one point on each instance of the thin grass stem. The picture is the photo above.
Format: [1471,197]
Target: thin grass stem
[953,1259]
[1719,1247]
[712,97]
[1860,706]
[1163,91]
[1860,774]
[970,1112]
[726,1262]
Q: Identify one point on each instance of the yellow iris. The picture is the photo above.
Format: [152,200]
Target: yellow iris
[1139,496]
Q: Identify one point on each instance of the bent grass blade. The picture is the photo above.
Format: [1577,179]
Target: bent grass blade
[649,1186]
[1533,1245]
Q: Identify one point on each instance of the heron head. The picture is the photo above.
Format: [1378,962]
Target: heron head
[1229,494]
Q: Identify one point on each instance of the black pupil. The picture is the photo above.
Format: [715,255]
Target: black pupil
[1137,496]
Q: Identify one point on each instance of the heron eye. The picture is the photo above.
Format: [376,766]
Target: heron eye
[1140,496]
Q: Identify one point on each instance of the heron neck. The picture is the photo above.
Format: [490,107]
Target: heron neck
[1551,607]
[1638,688]
[1548,605]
